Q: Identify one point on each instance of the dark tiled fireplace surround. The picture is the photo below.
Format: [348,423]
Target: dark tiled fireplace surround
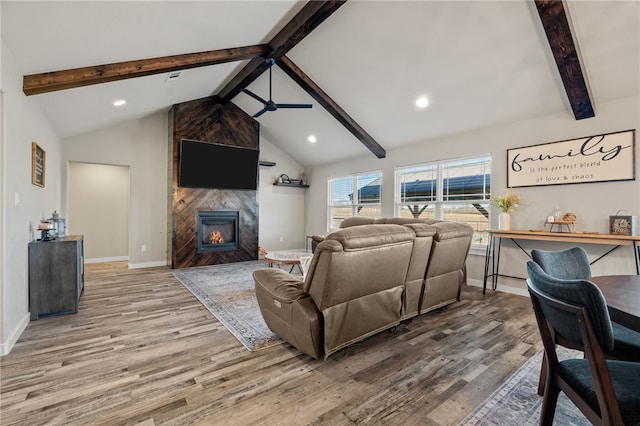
[209,121]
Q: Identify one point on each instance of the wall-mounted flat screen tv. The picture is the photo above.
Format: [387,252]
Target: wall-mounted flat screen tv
[213,165]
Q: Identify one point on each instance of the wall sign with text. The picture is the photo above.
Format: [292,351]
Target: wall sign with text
[598,158]
[38,164]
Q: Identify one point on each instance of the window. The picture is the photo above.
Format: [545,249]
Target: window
[457,190]
[354,195]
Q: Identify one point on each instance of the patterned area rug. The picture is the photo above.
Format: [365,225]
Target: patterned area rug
[516,401]
[227,291]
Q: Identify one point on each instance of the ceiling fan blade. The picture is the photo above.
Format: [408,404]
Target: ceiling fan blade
[254,96]
[294,105]
[259,113]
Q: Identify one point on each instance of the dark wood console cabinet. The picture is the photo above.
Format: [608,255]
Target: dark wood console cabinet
[56,275]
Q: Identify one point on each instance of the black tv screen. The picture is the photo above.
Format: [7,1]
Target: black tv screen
[212,165]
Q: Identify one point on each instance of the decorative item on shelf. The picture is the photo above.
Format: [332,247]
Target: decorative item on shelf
[45,228]
[261,252]
[504,221]
[59,226]
[507,203]
[623,224]
[568,220]
[283,179]
[557,214]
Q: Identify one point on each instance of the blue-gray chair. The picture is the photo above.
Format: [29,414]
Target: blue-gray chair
[571,264]
[573,313]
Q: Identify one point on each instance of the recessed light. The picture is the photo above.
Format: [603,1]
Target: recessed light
[422,102]
[312,139]
[119,102]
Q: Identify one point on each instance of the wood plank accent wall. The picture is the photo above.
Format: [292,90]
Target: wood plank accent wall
[205,120]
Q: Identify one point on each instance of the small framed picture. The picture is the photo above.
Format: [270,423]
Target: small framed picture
[623,225]
[38,164]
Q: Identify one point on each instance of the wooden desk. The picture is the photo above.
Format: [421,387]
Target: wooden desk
[493,249]
[622,293]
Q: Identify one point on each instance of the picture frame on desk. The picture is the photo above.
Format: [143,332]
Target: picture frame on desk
[599,158]
[623,225]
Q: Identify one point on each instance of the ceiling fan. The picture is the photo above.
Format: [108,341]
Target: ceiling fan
[270,105]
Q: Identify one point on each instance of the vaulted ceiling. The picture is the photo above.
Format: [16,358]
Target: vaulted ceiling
[361,64]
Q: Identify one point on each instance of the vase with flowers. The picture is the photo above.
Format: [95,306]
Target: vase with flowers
[507,203]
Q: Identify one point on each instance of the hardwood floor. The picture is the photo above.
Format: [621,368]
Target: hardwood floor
[143,350]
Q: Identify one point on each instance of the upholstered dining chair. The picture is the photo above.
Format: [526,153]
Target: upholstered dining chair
[573,313]
[571,264]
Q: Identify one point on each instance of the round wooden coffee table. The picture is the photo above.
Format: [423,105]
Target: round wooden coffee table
[285,258]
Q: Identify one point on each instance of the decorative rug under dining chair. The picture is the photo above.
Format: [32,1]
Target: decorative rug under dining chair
[516,401]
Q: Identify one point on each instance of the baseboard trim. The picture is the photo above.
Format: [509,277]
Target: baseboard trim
[5,347]
[148,264]
[504,288]
[106,259]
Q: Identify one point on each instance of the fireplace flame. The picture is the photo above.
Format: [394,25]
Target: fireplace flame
[216,238]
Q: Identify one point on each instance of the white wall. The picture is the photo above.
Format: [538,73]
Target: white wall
[23,204]
[98,208]
[142,145]
[281,208]
[592,202]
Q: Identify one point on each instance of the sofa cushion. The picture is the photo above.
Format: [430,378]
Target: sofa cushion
[356,261]
[365,236]
[355,221]
[448,230]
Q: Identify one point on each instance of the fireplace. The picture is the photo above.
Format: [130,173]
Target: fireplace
[218,230]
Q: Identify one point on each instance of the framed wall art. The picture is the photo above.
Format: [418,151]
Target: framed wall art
[598,158]
[38,164]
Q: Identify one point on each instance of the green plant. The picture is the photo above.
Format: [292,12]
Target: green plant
[507,202]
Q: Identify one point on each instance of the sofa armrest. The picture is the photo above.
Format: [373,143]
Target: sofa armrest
[288,310]
[280,285]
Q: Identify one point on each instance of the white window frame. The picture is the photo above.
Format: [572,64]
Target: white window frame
[355,204]
[439,202]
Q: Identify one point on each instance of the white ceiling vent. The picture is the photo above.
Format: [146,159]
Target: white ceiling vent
[174,75]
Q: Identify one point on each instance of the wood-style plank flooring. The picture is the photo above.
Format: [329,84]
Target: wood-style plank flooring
[143,350]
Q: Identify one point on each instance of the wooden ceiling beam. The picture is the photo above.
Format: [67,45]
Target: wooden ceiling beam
[78,77]
[304,81]
[565,52]
[306,20]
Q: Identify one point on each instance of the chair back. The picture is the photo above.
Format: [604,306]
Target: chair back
[570,264]
[577,293]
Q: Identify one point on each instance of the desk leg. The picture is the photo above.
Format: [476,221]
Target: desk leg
[486,263]
[636,253]
[497,264]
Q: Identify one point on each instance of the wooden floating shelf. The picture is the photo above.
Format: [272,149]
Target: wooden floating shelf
[295,185]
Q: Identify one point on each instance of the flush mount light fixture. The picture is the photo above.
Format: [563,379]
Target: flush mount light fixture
[174,75]
[422,102]
[312,139]
[119,102]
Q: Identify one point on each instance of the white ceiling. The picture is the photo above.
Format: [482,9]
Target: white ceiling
[480,63]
